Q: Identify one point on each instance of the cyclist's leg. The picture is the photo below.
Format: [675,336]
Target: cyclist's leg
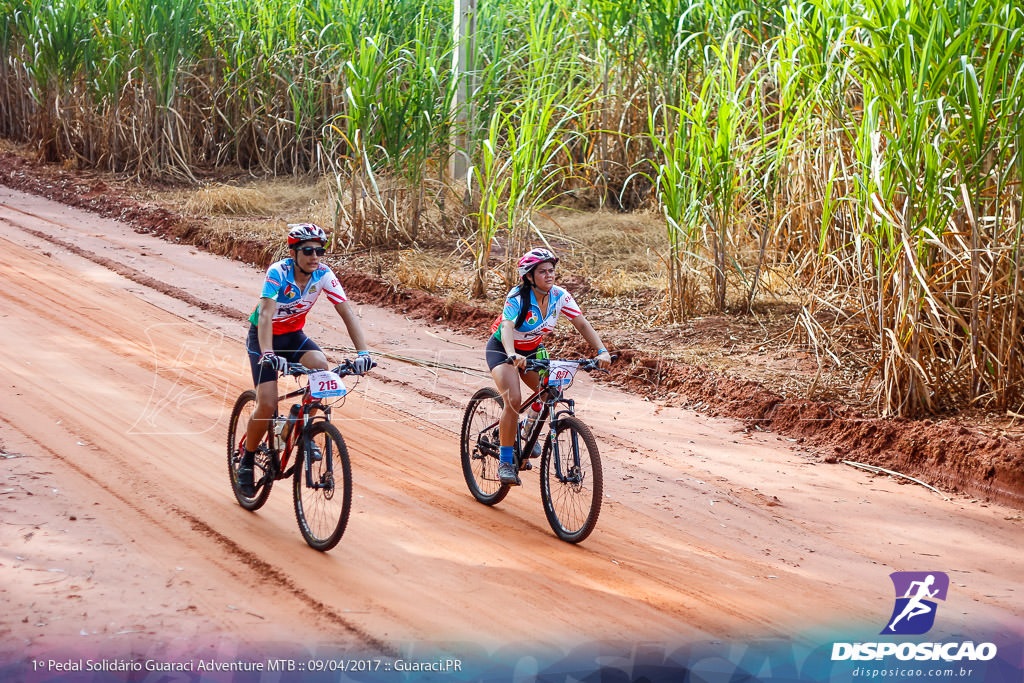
[533,380]
[506,378]
[307,352]
[266,400]
[265,381]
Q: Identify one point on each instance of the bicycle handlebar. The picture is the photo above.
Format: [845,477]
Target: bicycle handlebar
[586,364]
[342,370]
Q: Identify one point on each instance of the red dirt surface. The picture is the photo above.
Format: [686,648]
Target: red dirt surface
[120,535]
[952,455]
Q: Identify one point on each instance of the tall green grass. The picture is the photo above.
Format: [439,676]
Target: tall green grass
[871,148]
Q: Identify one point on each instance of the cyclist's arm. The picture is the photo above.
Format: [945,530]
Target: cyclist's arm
[355,331]
[265,326]
[507,329]
[584,327]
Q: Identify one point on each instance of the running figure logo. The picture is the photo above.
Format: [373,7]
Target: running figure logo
[914,612]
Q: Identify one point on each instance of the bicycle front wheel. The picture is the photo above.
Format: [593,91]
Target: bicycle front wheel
[571,481]
[237,425]
[323,487]
[480,447]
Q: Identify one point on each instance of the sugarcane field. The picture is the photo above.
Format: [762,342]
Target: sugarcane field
[778,436]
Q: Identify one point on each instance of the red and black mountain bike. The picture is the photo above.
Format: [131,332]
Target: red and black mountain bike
[322,476]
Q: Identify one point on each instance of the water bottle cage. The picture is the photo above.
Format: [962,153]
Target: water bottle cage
[526,426]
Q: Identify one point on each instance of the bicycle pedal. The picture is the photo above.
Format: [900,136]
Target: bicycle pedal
[526,465]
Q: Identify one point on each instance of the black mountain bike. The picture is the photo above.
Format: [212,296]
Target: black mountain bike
[322,476]
[571,482]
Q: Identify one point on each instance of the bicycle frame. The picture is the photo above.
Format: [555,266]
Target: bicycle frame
[303,421]
[551,416]
[552,396]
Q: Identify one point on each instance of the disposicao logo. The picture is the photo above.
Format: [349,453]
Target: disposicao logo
[916,592]
[914,614]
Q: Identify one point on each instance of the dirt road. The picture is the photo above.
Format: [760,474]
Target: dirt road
[122,355]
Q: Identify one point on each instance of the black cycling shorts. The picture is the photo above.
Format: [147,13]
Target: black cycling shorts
[495,354]
[291,346]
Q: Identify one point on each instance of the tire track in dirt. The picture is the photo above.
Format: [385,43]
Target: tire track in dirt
[185,297]
[416,492]
[271,576]
[127,272]
[122,472]
[401,539]
[274,576]
[950,455]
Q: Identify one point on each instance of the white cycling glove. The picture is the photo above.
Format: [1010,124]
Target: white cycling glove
[362,363]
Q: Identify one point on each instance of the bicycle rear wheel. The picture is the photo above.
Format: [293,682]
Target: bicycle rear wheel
[323,499]
[480,447]
[237,425]
[571,481]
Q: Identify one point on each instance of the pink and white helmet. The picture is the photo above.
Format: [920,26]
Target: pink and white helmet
[533,258]
[305,232]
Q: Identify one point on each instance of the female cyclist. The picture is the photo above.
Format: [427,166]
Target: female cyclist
[290,289]
[531,311]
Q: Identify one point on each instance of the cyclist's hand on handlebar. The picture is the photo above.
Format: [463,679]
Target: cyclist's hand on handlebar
[362,363]
[518,361]
[272,360]
[603,359]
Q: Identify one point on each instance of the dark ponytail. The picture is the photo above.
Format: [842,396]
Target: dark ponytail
[524,302]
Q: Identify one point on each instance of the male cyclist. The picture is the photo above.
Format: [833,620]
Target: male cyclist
[290,289]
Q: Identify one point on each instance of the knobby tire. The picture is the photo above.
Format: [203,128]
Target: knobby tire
[322,513]
[479,469]
[239,422]
[572,506]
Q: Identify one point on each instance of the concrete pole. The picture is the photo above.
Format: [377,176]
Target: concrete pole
[464,31]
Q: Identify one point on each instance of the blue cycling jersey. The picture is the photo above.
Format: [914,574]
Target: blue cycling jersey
[536,324]
[293,303]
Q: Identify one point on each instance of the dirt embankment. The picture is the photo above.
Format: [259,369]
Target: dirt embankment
[952,456]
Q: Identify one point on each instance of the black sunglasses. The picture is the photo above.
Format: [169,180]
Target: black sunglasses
[309,251]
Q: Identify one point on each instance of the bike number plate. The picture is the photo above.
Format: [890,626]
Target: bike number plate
[325,384]
[560,373]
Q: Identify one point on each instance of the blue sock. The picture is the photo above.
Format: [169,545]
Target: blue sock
[507,454]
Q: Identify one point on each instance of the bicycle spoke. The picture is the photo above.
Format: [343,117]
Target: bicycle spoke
[237,425]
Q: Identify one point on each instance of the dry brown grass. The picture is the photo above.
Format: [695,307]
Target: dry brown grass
[288,199]
[616,282]
[619,256]
[387,212]
[260,210]
[604,239]
[227,200]
[429,272]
